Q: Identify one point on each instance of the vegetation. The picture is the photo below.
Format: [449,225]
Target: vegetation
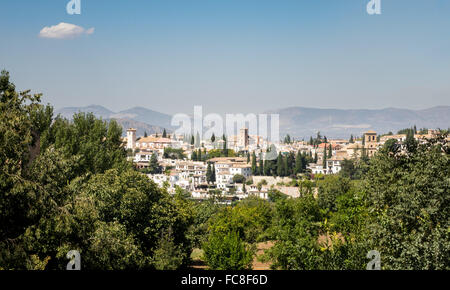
[67,185]
[174,153]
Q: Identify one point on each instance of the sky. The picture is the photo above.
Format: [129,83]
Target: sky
[230,56]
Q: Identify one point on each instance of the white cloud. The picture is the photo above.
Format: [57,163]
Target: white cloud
[64,31]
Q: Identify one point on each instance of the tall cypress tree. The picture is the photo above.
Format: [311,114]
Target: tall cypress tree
[298,164]
[290,163]
[208,173]
[164,135]
[285,166]
[330,151]
[254,168]
[266,167]
[280,165]
[224,150]
[261,165]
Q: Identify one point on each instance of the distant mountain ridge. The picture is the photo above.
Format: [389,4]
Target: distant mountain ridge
[339,123]
[299,122]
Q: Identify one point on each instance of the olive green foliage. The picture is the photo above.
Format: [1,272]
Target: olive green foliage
[275,195]
[354,169]
[227,251]
[409,196]
[238,178]
[330,188]
[221,153]
[174,153]
[309,237]
[67,186]
[399,208]
[241,226]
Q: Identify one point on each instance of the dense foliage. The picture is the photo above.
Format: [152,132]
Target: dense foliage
[66,185]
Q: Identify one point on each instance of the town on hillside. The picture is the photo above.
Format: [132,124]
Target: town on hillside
[236,167]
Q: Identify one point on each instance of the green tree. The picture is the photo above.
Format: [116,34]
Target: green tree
[209,173]
[254,164]
[329,189]
[298,163]
[213,175]
[238,178]
[408,197]
[227,251]
[261,165]
[325,156]
[279,165]
[77,191]
[410,142]
[154,166]
[224,149]
[168,255]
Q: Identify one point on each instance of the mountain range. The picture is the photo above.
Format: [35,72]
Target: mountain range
[299,122]
[335,123]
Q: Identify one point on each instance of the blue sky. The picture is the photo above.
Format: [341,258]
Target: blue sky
[232,55]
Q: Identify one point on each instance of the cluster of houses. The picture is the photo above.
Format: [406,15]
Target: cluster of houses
[192,176]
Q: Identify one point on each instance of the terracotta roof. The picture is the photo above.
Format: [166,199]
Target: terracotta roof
[354,146]
[151,139]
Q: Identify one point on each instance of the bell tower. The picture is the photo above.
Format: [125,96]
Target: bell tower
[131,138]
[370,142]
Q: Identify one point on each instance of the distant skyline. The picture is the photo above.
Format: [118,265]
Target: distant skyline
[229,55]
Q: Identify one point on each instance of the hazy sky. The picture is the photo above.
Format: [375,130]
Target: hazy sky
[230,55]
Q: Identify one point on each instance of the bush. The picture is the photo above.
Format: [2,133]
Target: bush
[228,252]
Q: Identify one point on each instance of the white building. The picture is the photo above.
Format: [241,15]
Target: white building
[131,138]
[334,164]
[317,169]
